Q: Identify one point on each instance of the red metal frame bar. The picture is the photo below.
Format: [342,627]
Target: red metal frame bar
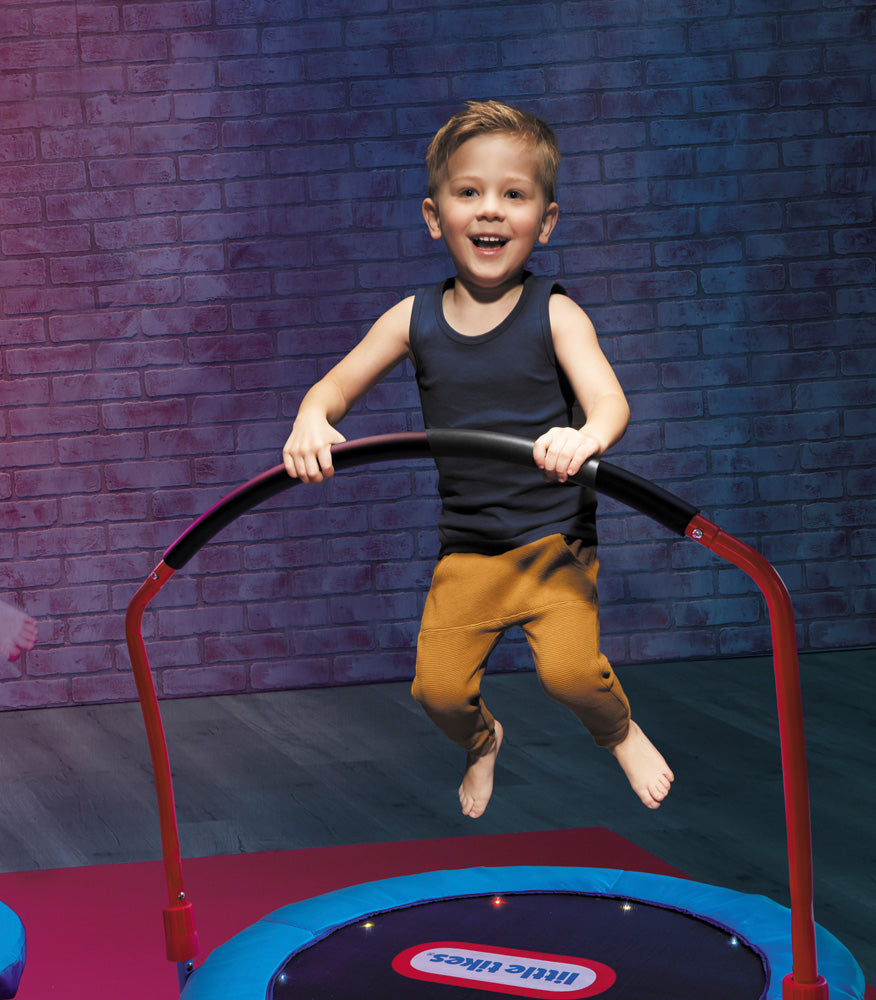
[804,982]
[180,935]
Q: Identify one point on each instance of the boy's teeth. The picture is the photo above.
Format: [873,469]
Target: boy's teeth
[488,241]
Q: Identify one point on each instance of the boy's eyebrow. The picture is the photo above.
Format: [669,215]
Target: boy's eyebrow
[507,179]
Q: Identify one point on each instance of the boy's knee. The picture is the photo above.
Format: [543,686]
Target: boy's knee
[436,696]
[570,683]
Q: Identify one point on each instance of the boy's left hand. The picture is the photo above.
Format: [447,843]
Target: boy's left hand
[561,451]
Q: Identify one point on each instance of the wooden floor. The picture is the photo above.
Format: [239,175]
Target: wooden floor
[358,765]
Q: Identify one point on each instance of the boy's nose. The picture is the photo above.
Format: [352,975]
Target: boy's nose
[491,207]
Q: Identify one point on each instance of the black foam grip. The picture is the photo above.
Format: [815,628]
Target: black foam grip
[630,489]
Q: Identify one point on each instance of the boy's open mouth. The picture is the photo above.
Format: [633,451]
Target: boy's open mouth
[488,242]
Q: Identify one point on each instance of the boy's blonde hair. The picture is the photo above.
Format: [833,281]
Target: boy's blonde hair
[482,117]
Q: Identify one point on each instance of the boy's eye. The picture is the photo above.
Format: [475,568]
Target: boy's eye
[514,194]
[468,192]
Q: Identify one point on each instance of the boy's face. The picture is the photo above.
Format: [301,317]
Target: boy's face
[490,209]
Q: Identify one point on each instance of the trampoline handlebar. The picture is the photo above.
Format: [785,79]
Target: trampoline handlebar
[609,480]
[630,489]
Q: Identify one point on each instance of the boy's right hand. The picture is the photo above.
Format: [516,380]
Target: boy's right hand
[307,453]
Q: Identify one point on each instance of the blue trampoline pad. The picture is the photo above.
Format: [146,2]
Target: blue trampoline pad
[536,932]
[12,952]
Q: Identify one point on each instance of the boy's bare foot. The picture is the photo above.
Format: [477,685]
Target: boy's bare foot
[644,766]
[18,631]
[477,782]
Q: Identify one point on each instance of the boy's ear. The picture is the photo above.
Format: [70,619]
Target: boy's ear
[430,214]
[549,220]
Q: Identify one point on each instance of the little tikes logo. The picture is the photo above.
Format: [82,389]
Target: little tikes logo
[500,970]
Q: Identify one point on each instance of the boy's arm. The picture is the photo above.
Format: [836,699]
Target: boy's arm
[307,452]
[561,451]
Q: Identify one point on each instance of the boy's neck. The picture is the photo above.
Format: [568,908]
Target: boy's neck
[473,311]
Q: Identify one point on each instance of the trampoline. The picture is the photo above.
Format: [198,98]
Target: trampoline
[534,931]
[12,952]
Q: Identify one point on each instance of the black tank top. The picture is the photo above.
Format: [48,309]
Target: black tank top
[507,380]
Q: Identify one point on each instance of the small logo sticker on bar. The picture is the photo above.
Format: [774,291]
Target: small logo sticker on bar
[501,970]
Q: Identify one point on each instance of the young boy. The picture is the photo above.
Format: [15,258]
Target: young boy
[495,348]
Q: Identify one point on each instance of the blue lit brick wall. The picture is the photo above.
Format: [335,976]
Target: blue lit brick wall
[204,203]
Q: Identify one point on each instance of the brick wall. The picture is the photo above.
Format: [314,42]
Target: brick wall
[204,203]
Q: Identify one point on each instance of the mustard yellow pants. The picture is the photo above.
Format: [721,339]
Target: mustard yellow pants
[548,588]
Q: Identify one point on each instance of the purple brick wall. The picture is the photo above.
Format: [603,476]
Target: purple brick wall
[204,203]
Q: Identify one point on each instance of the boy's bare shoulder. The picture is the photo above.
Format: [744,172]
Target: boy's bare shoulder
[397,319]
[406,305]
[567,317]
[390,334]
